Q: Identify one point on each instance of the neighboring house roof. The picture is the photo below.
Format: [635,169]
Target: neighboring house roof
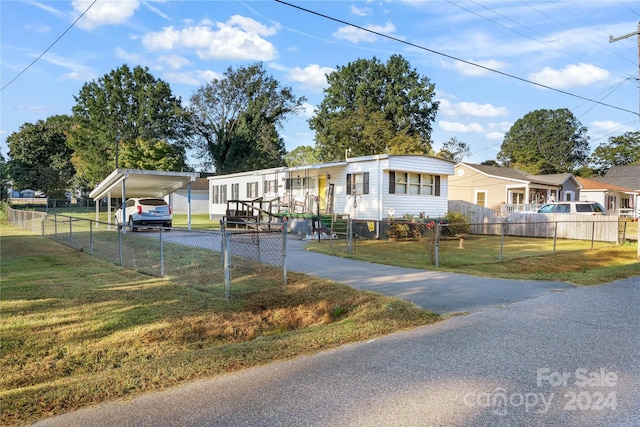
[518,175]
[199,184]
[627,176]
[600,184]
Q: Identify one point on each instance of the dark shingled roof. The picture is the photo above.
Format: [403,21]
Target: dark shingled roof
[510,173]
[627,176]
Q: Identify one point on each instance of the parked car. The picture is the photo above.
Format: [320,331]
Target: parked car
[145,212]
[588,208]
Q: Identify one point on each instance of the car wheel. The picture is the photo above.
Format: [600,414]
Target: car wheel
[167,227]
[131,226]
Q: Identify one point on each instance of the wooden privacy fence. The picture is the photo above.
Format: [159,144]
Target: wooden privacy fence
[600,228]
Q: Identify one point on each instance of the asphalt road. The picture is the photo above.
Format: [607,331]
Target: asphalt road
[569,358]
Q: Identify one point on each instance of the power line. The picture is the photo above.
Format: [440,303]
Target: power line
[50,46]
[454,58]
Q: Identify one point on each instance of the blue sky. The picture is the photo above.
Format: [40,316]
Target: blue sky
[560,44]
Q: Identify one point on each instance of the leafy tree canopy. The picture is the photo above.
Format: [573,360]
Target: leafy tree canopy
[454,150]
[235,120]
[373,108]
[119,110]
[546,142]
[302,156]
[40,158]
[619,151]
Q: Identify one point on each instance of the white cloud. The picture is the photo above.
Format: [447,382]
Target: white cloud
[470,109]
[192,78]
[104,12]
[307,110]
[494,136]
[30,107]
[312,76]
[460,127]
[609,126]
[471,70]
[129,57]
[360,11]
[570,76]
[173,61]
[238,38]
[79,71]
[356,35]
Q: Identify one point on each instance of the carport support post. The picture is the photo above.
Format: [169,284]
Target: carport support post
[124,210]
[91,237]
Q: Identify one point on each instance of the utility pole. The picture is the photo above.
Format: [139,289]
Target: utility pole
[612,39]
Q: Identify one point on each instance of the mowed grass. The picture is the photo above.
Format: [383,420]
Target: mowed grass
[78,331]
[522,258]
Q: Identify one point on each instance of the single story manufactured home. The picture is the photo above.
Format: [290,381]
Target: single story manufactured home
[370,187]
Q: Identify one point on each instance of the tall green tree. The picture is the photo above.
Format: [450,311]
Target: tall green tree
[235,120]
[372,107]
[119,110]
[39,157]
[301,156]
[546,142]
[619,151]
[454,150]
[4,179]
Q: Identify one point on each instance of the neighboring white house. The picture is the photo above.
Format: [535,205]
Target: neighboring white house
[367,187]
[616,199]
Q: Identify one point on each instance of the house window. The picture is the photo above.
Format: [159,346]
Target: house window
[414,184]
[481,198]
[358,183]
[223,194]
[235,191]
[215,194]
[252,190]
[270,186]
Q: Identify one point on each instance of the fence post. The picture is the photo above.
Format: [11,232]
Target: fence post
[593,232]
[437,244]
[120,244]
[161,255]
[502,233]
[70,232]
[349,236]
[91,237]
[227,267]
[222,241]
[284,252]
[555,237]
[55,226]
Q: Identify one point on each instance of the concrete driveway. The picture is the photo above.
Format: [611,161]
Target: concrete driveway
[567,358]
[440,292]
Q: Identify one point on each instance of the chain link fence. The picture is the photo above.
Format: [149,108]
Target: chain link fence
[201,256]
[449,244]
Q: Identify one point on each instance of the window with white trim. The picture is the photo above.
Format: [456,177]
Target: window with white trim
[358,183]
[235,191]
[215,194]
[415,184]
[270,186]
[223,194]
[252,190]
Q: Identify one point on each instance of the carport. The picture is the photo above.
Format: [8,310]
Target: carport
[127,183]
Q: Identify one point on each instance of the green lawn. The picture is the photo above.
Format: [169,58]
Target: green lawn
[522,258]
[79,331]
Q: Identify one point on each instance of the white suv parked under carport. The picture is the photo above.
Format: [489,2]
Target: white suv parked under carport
[146,212]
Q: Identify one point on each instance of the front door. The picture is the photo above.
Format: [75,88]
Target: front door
[322,192]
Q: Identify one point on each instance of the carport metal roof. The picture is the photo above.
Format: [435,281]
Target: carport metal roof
[141,183]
